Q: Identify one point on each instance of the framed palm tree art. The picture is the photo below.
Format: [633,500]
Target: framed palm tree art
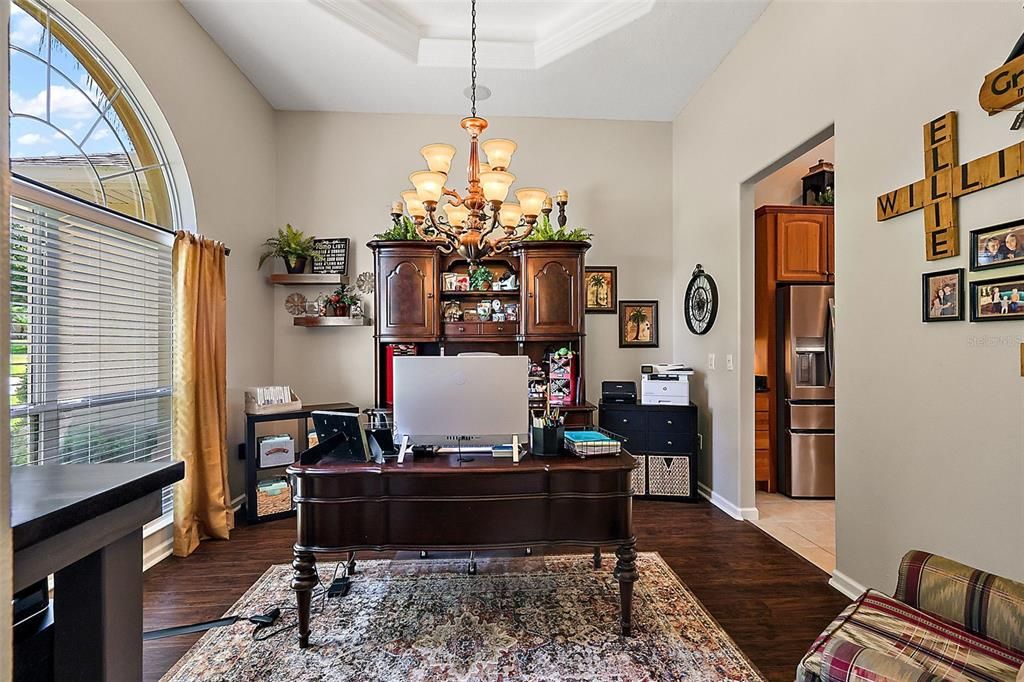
[638,324]
[602,284]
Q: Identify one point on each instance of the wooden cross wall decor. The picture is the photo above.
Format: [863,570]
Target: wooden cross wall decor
[945,181]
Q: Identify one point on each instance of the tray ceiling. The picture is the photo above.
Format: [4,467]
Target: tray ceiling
[614,59]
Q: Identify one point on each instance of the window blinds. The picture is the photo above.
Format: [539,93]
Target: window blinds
[91,334]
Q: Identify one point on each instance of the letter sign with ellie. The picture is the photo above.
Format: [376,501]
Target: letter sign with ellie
[700,302]
[945,181]
[1004,87]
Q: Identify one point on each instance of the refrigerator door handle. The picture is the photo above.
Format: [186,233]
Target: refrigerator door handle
[830,343]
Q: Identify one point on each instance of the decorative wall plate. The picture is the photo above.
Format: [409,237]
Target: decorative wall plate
[700,304]
[295,304]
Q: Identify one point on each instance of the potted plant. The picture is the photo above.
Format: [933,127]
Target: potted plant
[292,246]
[402,230]
[480,278]
[545,232]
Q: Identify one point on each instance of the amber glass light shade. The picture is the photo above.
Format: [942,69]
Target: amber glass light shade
[456,214]
[499,152]
[429,184]
[439,157]
[496,184]
[510,214]
[413,204]
[531,199]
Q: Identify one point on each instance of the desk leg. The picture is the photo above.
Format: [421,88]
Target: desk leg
[304,579]
[597,557]
[626,574]
[350,568]
[97,608]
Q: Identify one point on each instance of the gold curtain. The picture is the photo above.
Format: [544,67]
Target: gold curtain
[201,501]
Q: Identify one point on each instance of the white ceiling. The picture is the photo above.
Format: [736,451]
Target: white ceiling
[609,59]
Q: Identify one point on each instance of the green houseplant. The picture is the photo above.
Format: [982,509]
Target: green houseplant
[403,230]
[480,278]
[545,232]
[292,246]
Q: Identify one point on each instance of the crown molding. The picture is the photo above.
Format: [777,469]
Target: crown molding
[379,21]
[589,27]
[386,24]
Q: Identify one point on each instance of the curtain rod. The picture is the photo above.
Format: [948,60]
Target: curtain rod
[71,197]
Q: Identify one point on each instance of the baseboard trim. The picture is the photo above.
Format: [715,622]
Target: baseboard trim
[847,585]
[738,513]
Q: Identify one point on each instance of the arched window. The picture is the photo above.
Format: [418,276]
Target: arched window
[76,127]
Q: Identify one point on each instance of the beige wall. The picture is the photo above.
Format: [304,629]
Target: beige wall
[223,128]
[785,186]
[338,174]
[930,434]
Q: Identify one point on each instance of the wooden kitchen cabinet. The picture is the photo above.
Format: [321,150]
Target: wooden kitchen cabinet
[805,252]
[407,292]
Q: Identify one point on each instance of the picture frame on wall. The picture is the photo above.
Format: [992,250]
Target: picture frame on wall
[998,246]
[942,296]
[998,299]
[602,285]
[638,324]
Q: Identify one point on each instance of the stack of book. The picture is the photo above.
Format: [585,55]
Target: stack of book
[588,443]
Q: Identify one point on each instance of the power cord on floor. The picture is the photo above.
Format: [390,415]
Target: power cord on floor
[323,594]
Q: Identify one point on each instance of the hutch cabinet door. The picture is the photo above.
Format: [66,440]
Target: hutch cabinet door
[553,294]
[803,246]
[407,294]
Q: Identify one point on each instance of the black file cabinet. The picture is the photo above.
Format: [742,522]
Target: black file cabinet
[663,438]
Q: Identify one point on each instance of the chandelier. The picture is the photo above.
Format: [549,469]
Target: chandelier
[470,221]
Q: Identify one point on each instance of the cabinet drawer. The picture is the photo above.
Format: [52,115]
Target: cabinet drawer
[669,442]
[499,328]
[623,420]
[761,402]
[761,439]
[761,421]
[461,328]
[671,422]
[635,441]
[669,476]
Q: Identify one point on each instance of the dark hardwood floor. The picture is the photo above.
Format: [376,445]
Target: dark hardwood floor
[772,602]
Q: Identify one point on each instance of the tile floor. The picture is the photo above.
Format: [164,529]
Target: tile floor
[808,527]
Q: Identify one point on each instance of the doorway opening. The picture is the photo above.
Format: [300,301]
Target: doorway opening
[794,293]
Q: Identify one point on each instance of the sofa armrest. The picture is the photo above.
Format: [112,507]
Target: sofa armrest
[843,661]
[981,603]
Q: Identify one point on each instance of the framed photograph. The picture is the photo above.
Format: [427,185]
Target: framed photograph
[999,246]
[997,299]
[602,288]
[461,283]
[638,324]
[449,280]
[333,256]
[942,296]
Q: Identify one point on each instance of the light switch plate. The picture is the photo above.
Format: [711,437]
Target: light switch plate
[711,360]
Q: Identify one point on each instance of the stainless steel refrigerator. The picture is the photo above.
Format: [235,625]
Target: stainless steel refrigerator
[806,390]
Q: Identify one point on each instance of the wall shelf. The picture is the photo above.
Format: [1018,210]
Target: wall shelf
[303,321]
[307,278]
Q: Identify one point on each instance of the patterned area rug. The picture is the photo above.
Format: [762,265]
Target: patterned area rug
[536,618]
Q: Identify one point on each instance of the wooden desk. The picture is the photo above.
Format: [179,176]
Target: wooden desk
[83,524]
[439,503]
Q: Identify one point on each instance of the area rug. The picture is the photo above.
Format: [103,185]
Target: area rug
[529,618]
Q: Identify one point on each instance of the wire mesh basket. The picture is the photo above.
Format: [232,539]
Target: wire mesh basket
[593,441]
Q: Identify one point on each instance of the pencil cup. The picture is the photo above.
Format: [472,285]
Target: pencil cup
[546,441]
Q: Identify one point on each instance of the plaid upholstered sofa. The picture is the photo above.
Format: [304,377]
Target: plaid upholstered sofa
[947,621]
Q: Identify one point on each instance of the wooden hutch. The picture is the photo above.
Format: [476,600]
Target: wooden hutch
[411,299]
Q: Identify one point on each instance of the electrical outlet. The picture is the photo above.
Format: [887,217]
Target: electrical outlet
[711,360]
[728,362]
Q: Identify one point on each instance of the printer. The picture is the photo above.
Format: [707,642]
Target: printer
[665,384]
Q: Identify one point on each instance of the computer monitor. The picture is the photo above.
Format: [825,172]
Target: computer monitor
[471,401]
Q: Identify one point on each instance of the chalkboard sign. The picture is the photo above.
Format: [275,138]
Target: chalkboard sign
[333,256]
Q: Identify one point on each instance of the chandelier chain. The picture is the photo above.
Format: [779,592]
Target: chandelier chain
[472,42]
